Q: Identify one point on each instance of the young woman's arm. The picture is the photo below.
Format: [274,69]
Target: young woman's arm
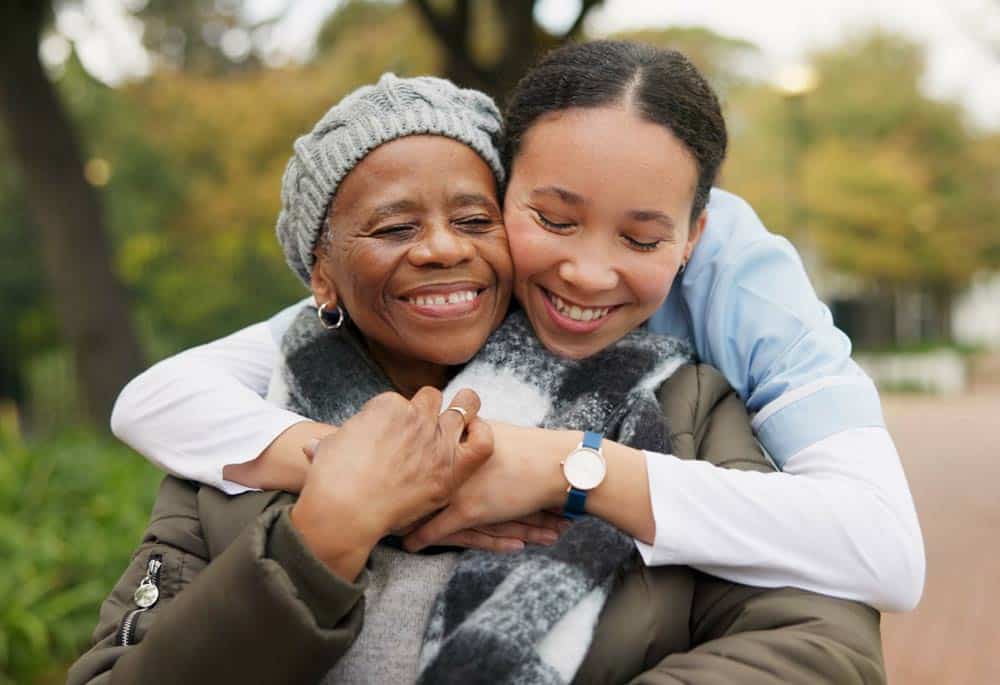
[839,520]
[202,410]
[746,302]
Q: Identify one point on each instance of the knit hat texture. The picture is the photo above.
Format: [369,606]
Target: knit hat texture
[366,118]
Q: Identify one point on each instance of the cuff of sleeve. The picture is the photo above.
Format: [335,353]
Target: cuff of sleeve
[659,471]
[329,597]
[646,552]
[255,441]
[803,417]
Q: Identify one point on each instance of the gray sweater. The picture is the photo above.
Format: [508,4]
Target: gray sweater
[399,591]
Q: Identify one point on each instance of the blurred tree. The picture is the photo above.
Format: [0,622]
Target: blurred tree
[88,298]
[204,36]
[477,55]
[898,192]
[214,264]
[21,294]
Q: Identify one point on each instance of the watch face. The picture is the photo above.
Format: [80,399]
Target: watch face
[584,469]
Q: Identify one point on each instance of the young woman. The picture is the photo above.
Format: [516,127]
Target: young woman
[594,234]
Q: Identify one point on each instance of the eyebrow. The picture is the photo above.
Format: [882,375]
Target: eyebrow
[391,209]
[567,196]
[652,215]
[471,199]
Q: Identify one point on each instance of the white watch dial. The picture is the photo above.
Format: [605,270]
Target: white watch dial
[584,468]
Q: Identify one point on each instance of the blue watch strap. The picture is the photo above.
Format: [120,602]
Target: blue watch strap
[575,503]
[576,500]
[592,440]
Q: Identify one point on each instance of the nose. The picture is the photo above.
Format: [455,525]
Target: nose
[441,246]
[588,269]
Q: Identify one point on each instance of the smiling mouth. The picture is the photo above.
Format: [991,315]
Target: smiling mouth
[445,303]
[576,312]
[436,300]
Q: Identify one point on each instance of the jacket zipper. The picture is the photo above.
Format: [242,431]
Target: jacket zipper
[145,597]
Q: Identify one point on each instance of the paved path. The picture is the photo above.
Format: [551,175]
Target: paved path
[951,451]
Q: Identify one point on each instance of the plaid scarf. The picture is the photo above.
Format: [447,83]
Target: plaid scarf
[526,617]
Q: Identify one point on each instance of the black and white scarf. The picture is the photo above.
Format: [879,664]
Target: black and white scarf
[527,617]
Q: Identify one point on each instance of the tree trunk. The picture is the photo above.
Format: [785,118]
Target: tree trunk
[88,298]
[522,39]
[944,305]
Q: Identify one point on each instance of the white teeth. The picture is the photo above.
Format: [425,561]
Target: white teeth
[576,312]
[451,298]
[464,296]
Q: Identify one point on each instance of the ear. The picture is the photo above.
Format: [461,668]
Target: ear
[694,234]
[321,282]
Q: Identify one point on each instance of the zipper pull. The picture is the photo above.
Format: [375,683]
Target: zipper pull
[148,592]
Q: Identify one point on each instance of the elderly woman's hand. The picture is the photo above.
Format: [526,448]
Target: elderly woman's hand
[390,465]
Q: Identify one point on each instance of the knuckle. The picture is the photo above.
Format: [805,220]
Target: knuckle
[439,493]
[429,395]
[387,401]
[469,398]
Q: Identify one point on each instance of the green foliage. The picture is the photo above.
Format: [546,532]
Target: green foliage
[71,511]
[188,34]
[895,189]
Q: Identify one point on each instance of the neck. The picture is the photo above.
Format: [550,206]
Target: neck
[407,374]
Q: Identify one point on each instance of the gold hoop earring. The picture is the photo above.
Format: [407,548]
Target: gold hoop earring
[325,317]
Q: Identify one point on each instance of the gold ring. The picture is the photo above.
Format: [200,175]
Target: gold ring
[464,414]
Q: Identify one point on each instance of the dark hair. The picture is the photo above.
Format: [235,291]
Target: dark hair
[661,85]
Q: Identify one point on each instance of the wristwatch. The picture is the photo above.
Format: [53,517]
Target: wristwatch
[585,469]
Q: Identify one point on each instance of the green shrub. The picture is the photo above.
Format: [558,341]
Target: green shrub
[71,511]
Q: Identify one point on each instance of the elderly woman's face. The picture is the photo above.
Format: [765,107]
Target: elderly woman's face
[418,254]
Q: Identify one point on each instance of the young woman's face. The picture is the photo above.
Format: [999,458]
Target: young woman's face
[417,255]
[598,221]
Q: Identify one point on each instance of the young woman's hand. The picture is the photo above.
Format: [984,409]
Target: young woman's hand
[521,479]
[540,528]
[390,465]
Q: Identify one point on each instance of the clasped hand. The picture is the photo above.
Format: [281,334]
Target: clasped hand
[395,467]
[393,463]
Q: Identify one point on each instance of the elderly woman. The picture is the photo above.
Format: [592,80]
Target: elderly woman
[267,587]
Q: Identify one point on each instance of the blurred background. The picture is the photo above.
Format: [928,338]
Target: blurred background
[141,148]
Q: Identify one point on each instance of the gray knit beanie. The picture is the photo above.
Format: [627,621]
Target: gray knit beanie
[366,118]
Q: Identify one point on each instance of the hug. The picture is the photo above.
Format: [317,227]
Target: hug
[506,439]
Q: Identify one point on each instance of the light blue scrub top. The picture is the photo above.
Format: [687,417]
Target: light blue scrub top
[747,306]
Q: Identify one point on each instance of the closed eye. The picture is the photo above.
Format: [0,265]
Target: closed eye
[396,231]
[549,223]
[640,245]
[476,223]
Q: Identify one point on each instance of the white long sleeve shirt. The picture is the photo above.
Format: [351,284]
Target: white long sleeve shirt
[838,519]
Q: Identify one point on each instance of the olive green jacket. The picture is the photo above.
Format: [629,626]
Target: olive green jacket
[242,600]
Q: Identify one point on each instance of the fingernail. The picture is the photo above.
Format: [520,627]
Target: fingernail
[513,546]
[549,537]
[312,444]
